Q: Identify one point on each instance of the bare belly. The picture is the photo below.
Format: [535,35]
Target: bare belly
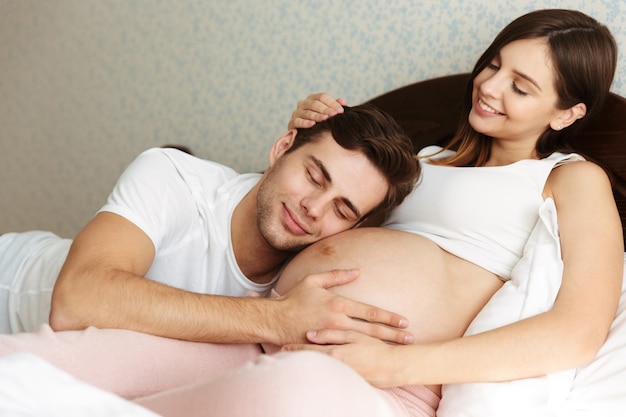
[437,292]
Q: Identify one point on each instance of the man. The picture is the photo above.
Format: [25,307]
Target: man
[181,241]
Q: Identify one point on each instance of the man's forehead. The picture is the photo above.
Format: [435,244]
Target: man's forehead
[325,145]
[328,155]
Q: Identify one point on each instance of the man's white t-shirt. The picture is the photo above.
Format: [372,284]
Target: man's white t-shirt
[185,205]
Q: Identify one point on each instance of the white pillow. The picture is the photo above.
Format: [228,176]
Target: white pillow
[533,287]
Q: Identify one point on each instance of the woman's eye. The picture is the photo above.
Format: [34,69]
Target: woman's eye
[517,90]
[493,66]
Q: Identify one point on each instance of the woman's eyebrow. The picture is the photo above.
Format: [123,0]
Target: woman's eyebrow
[527,78]
[521,74]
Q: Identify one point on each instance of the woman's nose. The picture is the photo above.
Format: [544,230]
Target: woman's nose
[492,86]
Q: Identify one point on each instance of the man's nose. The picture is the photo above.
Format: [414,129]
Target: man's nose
[315,206]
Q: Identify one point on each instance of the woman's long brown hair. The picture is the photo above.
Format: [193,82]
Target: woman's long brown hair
[584,56]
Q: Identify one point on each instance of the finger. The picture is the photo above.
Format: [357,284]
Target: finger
[315,108]
[332,336]
[301,346]
[315,96]
[332,106]
[333,278]
[319,108]
[342,101]
[322,103]
[300,123]
[385,333]
[372,314]
[314,112]
[342,337]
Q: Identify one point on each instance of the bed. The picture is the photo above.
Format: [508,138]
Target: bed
[428,111]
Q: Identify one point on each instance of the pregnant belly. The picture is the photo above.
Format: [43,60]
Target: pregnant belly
[437,292]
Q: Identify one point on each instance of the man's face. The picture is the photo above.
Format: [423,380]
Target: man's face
[316,191]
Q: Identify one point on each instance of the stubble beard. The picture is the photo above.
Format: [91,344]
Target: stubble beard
[269,226]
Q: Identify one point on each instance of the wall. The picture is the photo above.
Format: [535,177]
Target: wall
[87,85]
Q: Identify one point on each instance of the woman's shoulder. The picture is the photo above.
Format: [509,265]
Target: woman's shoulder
[579,175]
[572,167]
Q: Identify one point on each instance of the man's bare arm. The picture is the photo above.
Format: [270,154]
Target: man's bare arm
[103,284]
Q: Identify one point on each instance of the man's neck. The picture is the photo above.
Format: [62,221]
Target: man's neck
[258,261]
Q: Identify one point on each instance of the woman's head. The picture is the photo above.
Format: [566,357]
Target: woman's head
[583,53]
[583,58]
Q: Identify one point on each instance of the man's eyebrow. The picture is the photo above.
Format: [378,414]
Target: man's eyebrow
[319,164]
[322,168]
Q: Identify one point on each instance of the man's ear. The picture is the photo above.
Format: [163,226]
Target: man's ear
[281,145]
[566,117]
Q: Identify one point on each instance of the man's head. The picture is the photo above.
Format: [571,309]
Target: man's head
[330,177]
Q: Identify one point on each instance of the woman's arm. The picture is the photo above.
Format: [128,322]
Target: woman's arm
[567,336]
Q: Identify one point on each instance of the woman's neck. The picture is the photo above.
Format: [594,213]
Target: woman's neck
[508,153]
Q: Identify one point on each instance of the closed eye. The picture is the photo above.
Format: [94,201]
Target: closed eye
[517,90]
[319,176]
[315,178]
[346,210]
[317,172]
[339,209]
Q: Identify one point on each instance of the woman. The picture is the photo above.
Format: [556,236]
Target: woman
[528,92]
[460,233]
[445,252]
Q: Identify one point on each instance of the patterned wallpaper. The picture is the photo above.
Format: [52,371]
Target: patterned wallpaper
[87,85]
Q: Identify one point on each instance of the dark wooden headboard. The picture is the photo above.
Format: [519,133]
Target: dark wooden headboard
[429,112]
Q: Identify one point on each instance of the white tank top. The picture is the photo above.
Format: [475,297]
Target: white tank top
[481,214]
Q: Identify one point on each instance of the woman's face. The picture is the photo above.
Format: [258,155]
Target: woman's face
[514,97]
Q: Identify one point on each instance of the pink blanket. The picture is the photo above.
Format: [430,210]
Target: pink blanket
[128,363]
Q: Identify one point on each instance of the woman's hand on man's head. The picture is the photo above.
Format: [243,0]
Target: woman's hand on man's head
[315,108]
